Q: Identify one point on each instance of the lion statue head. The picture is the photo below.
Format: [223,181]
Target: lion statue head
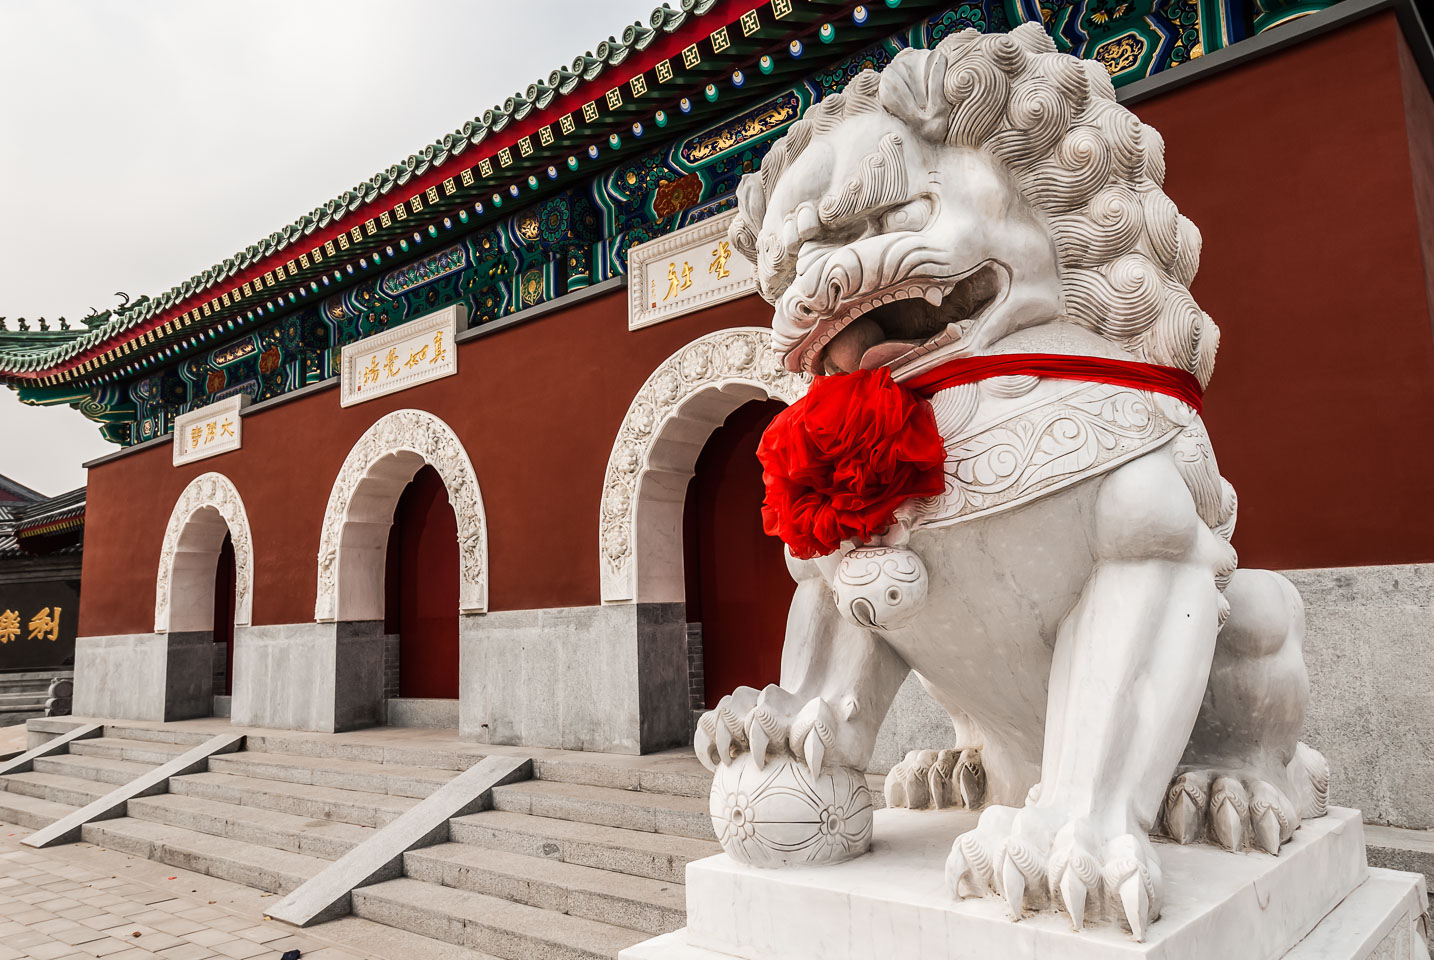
[968,192]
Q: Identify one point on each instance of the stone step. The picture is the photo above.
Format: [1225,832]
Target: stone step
[389,778]
[325,839]
[298,799]
[260,867]
[514,931]
[30,812]
[679,775]
[1397,848]
[380,940]
[338,747]
[70,791]
[98,769]
[166,733]
[120,748]
[628,809]
[637,853]
[637,903]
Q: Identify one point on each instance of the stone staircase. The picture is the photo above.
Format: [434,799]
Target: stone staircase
[61,784]
[568,866]
[22,695]
[270,816]
[579,863]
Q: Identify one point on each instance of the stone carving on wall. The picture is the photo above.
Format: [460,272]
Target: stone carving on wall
[736,362]
[1072,598]
[415,437]
[214,491]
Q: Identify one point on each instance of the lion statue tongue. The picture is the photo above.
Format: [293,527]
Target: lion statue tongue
[864,345]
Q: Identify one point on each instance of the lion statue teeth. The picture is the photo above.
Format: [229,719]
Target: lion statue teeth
[1072,597]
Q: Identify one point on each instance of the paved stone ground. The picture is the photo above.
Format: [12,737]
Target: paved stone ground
[79,902]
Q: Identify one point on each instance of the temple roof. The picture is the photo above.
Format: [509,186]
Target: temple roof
[32,524]
[578,106]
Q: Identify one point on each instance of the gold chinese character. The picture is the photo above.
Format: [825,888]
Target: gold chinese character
[42,623]
[674,283]
[195,435]
[720,256]
[370,373]
[209,429]
[227,428]
[9,625]
[439,353]
[390,363]
[414,356]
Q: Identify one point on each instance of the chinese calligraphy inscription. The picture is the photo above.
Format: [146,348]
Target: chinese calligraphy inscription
[209,430]
[683,271]
[414,353]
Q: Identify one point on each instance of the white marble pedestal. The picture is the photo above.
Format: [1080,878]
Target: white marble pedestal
[1316,901]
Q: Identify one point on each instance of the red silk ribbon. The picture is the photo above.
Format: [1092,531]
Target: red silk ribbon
[1124,373]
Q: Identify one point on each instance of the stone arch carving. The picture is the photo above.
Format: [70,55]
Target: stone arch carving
[360,511]
[207,509]
[653,457]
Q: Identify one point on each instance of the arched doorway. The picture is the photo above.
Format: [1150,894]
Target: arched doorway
[204,586]
[700,415]
[421,589]
[738,587]
[353,542]
[224,618]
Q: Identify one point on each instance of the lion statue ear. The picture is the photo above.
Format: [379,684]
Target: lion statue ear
[752,204]
[911,88]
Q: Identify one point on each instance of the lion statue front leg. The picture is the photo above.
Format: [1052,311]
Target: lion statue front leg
[790,760]
[1127,678]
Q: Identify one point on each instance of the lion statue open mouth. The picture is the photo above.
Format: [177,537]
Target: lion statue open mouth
[1071,597]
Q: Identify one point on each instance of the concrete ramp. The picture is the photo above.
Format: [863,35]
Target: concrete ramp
[328,894]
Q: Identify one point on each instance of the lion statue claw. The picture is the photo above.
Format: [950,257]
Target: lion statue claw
[1071,598]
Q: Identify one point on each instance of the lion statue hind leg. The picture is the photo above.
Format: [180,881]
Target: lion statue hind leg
[940,778]
[1246,780]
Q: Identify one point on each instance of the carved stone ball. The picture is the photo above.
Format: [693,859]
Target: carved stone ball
[880,587]
[781,815]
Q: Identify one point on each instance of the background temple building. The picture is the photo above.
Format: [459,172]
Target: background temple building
[41,539]
[471,445]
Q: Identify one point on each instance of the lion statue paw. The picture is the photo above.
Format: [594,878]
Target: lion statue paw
[936,779]
[1241,808]
[784,790]
[1039,858]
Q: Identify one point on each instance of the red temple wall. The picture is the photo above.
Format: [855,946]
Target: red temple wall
[537,407]
[1297,170]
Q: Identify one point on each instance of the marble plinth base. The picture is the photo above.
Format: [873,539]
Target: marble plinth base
[893,903]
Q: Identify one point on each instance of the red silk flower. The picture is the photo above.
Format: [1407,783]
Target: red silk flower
[838,462]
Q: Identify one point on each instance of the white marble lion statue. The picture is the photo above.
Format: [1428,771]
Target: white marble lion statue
[1072,597]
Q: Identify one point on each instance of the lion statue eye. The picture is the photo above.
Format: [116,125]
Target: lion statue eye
[912,215]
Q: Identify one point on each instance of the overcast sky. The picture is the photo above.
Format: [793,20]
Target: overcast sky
[143,141]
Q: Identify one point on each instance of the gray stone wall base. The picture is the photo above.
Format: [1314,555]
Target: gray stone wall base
[323,677]
[1371,707]
[606,678]
[145,676]
[421,712]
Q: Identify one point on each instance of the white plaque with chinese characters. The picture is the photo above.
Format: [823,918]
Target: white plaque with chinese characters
[684,271]
[415,352]
[209,430]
